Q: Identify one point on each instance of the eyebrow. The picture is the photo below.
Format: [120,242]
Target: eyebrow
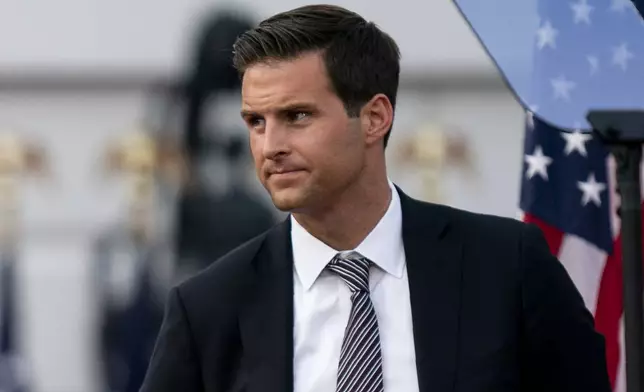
[286,108]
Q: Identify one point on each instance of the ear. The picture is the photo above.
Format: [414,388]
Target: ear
[376,116]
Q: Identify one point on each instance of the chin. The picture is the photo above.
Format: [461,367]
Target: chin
[287,200]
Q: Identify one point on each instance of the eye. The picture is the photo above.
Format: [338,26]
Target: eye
[255,122]
[298,116]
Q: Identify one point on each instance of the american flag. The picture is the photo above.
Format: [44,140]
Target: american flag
[564,57]
[588,54]
[568,190]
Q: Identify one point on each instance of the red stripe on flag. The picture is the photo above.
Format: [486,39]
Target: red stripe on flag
[553,236]
[609,298]
[610,308]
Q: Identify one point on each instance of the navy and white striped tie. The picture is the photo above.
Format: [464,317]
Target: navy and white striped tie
[360,368]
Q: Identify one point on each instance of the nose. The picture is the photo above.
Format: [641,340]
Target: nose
[275,141]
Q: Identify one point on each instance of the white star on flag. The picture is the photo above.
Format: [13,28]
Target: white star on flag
[576,141]
[594,64]
[582,11]
[546,35]
[562,87]
[537,163]
[591,190]
[621,55]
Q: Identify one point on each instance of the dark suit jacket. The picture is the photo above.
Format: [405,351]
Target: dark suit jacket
[492,311]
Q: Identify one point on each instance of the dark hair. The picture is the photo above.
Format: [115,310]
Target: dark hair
[361,60]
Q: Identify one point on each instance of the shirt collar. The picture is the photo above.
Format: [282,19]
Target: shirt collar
[384,246]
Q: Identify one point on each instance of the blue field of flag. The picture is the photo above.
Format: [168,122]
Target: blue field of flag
[563,58]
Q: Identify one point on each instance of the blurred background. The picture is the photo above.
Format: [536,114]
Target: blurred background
[124,165]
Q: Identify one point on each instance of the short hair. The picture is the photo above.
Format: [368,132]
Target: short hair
[360,59]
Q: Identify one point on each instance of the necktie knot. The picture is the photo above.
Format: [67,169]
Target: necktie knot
[353,268]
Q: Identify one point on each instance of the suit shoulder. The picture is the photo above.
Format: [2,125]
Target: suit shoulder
[488,222]
[494,246]
[486,227]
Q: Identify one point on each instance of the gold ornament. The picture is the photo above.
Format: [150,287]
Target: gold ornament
[143,160]
[433,150]
[18,158]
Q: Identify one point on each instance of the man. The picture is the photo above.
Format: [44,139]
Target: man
[362,288]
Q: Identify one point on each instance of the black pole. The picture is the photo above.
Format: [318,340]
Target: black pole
[623,133]
[628,159]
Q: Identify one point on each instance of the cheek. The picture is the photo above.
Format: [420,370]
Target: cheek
[255,146]
[340,152]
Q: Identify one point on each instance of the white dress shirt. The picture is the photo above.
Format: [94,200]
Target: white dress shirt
[322,303]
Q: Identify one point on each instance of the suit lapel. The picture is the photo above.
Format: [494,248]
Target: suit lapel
[267,321]
[434,255]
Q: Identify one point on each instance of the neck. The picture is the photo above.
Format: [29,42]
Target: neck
[352,216]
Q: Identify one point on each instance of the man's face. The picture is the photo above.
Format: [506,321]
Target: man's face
[305,147]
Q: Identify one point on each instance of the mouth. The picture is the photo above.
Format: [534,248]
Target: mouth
[284,175]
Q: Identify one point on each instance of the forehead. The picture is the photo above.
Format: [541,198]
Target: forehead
[269,85]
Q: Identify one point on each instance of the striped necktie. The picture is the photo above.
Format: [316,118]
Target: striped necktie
[360,368]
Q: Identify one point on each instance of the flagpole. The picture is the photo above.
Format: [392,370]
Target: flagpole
[628,178]
[623,133]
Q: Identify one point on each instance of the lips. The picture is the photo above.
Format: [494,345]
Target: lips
[283,171]
[286,171]
[285,175]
